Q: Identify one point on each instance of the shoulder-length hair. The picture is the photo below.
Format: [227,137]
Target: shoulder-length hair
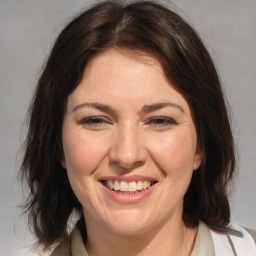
[142,26]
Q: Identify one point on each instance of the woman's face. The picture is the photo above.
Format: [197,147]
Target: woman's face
[130,144]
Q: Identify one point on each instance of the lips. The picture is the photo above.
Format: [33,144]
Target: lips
[128,185]
[123,186]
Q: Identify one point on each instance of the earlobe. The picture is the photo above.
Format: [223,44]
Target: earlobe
[62,158]
[197,162]
[63,162]
[198,158]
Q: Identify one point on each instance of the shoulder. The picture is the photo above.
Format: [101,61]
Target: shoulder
[72,246]
[237,241]
[64,248]
[251,232]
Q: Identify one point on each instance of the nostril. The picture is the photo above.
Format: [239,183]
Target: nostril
[127,166]
[127,155]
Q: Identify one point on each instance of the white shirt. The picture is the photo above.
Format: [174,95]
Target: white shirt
[237,243]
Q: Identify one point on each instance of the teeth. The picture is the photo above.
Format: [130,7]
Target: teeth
[145,184]
[124,186]
[116,185]
[110,184]
[139,185]
[132,186]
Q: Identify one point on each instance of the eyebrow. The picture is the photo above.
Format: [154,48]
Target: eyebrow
[101,107]
[145,109]
[157,106]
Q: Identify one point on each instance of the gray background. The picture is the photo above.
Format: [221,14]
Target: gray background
[27,31]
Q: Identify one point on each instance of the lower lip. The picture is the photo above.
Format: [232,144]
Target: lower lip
[129,198]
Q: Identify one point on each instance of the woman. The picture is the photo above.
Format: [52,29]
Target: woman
[129,129]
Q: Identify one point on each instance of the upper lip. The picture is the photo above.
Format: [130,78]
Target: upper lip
[127,178]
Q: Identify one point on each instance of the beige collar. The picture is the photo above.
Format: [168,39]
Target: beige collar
[203,243]
[75,246]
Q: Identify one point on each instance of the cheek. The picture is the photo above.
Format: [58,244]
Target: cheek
[175,154]
[175,158]
[83,154]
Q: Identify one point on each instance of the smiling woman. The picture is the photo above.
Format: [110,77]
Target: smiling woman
[129,128]
[143,140]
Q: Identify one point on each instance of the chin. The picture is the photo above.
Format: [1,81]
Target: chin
[129,229]
[130,223]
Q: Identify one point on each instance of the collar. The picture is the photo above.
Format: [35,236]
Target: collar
[208,242]
[203,243]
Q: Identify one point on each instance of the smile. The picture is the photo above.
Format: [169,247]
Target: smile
[131,187]
[128,189]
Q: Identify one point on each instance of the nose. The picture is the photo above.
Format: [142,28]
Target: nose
[128,151]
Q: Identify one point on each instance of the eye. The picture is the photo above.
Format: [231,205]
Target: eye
[94,122]
[161,122]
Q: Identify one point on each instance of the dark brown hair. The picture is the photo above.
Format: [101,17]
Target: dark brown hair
[140,26]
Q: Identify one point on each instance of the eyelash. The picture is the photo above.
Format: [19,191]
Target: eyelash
[94,121]
[99,122]
[161,121]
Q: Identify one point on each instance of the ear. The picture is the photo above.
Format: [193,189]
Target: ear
[63,162]
[198,158]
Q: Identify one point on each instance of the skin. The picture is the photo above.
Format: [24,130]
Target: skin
[157,143]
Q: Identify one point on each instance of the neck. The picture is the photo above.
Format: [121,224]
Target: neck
[174,238]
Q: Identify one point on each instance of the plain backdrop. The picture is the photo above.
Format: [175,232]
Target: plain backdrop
[27,31]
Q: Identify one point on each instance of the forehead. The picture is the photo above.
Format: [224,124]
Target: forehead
[116,76]
[117,56]
[126,68]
